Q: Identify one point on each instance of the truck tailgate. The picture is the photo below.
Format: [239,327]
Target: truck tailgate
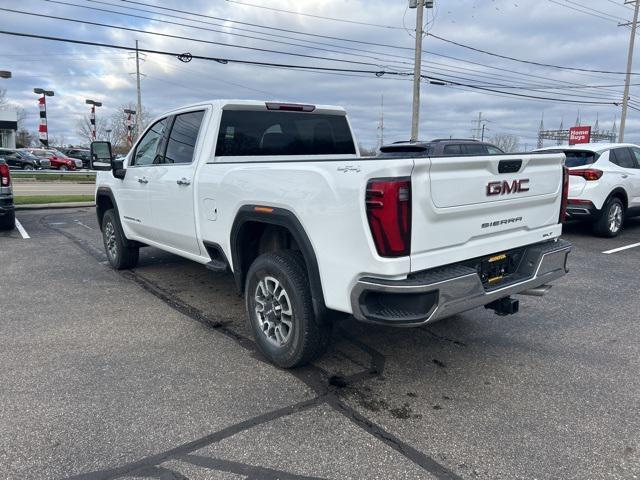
[466,207]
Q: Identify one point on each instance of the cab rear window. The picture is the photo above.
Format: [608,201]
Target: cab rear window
[246,133]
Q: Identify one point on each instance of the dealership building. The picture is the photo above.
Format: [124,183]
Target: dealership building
[8,128]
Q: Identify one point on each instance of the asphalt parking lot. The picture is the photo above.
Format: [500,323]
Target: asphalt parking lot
[151,373]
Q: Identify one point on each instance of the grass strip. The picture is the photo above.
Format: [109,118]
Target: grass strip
[40,199]
[56,177]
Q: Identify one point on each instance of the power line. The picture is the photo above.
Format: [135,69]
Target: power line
[527,75]
[179,37]
[589,11]
[387,61]
[297,32]
[443,66]
[187,57]
[227,33]
[280,10]
[530,62]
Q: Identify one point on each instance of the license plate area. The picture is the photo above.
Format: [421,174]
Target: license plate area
[499,269]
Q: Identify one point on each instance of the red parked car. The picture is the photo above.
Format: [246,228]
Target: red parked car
[58,160]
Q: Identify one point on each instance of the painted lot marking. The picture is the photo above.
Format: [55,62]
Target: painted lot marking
[85,226]
[21,229]
[619,249]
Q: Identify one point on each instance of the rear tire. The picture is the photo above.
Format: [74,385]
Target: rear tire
[64,168]
[120,255]
[611,220]
[28,167]
[280,310]
[8,222]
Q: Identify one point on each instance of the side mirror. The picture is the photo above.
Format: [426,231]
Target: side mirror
[100,156]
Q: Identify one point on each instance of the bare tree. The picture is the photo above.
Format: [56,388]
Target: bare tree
[118,125]
[367,152]
[24,138]
[84,128]
[507,143]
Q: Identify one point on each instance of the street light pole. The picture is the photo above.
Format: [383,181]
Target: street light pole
[627,80]
[43,129]
[92,118]
[129,113]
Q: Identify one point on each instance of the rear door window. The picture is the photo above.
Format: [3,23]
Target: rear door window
[453,149]
[474,149]
[247,133]
[636,156]
[622,157]
[183,137]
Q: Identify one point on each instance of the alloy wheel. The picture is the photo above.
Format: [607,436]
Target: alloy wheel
[615,218]
[110,240]
[273,311]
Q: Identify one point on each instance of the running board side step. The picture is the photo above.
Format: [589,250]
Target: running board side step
[216,266]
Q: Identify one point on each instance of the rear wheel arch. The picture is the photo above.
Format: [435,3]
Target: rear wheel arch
[256,232]
[621,194]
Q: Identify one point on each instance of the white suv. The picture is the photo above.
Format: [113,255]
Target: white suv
[604,184]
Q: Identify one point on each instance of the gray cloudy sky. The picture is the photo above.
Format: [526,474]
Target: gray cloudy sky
[576,33]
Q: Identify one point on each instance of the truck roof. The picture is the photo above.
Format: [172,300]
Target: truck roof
[236,104]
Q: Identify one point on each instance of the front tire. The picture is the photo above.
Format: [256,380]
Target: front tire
[120,255]
[28,167]
[611,220]
[64,168]
[8,222]
[280,310]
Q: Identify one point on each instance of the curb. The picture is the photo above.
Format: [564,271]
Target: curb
[54,205]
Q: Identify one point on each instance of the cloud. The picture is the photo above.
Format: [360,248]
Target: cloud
[538,30]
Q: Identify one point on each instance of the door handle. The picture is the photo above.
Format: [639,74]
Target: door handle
[183,181]
[143,180]
[625,176]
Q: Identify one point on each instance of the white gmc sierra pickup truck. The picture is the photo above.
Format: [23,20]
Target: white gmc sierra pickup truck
[279,195]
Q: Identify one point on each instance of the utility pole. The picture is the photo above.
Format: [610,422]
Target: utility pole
[417,71]
[139,104]
[627,80]
[478,126]
[482,138]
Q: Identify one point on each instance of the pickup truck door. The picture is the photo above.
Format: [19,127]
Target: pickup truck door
[133,193]
[172,183]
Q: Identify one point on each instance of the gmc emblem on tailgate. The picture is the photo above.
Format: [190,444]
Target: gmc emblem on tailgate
[504,187]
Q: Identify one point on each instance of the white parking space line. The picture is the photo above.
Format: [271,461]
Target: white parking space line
[85,226]
[627,247]
[21,229]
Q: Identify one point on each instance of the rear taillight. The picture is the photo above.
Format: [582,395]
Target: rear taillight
[589,174]
[565,194]
[388,202]
[5,178]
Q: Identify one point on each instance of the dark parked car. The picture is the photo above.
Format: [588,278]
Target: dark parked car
[79,153]
[441,148]
[20,159]
[7,211]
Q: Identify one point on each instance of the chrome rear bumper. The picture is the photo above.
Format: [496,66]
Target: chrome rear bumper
[431,295]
